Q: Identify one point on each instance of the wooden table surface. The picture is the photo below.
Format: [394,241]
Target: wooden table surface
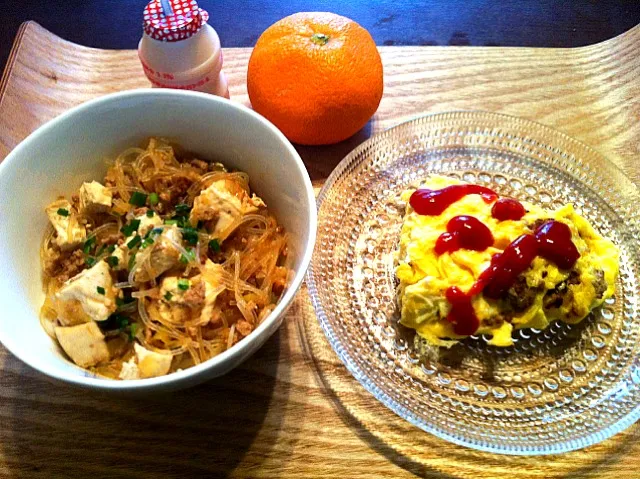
[292,410]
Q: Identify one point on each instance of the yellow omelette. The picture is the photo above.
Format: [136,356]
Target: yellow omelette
[543,293]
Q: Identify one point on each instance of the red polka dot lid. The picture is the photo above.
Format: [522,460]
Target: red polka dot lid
[183,20]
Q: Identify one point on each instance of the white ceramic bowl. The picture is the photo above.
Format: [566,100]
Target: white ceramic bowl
[55,160]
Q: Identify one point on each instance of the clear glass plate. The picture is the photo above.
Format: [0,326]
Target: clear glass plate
[556,390]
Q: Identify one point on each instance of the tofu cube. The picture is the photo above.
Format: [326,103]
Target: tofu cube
[94,198]
[69,233]
[84,344]
[93,289]
[150,363]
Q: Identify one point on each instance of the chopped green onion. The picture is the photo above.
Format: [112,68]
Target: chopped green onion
[147,242]
[182,209]
[101,250]
[214,245]
[130,227]
[190,235]
[138,199]
[132,260]
[112,261]
[89,244]
[191,256]
[150,213]
[168,296]
[135,241]
[63,212]
[124,300]
[154,199]
[111,248]
[183,284]
[90,261]
[133,329]
[170,222]
[100,290]
[123,321]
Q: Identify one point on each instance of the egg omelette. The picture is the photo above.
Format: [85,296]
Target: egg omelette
[543,293]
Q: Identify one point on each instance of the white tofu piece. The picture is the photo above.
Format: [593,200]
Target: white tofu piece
[86,287]
[148,223]
[122,251]
[94,197]
[69,233]
[219,202]
[130,370]
[165,255]
[84,344]
[170,285]
[212,288]
[150,363]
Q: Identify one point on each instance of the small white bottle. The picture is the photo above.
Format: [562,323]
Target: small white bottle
[179,49]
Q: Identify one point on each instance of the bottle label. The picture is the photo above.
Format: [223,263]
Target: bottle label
[167,80]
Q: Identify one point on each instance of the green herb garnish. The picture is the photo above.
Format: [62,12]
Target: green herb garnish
[154,199]
[63,212]
[191,256]
[133,329]
[123,321]
[183,284]
[135,241]
[138,199]
[190,235]
[132,260]
[147,242]
[90,261]
[182,209]
[170,222]
[168,296]
[100,290]
[214,245]
[122,301]
[130,227]
[86,248]
[111,248]
[112,261]
[150,213]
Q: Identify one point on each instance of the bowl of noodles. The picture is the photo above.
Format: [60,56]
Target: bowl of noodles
[150,240]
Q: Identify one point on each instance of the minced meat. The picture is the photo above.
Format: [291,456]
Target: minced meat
[521,296]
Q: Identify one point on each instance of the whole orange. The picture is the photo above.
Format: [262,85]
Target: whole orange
[317,76]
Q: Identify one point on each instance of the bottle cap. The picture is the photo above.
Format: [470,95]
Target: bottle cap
[183,20]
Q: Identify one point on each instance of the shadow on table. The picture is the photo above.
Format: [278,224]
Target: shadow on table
[55,430]
[321,160]
[425,455]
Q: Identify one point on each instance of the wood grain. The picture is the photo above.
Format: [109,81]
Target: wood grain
[293,410]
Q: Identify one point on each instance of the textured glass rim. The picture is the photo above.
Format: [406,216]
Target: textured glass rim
[361,376]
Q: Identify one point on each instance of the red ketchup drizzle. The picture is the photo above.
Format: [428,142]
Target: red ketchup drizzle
[434,202]
[507,209]
[464,232]
[464,319]
[552,241]
[554,244]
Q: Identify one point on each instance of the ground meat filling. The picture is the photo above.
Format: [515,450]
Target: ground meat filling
[65,266]
[554,298]
[521,296]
